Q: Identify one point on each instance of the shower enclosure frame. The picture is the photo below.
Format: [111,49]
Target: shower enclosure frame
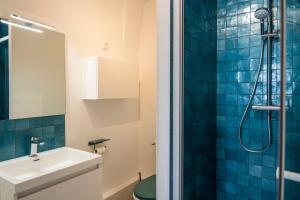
[175,104]
[282,120]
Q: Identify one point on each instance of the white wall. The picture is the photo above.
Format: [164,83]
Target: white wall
[147,61]
[88,25]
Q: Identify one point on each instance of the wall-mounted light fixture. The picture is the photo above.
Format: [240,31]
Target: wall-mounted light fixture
[5,21]
[17,17]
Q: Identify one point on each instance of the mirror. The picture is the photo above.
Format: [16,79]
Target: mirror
[32,73]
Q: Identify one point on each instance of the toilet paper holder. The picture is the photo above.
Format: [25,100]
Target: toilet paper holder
[95,142]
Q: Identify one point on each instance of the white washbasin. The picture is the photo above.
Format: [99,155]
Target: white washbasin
[23,174]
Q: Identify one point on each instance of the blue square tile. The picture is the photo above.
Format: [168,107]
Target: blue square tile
[49,131]
[244,19]
[255,52]
[221,23]
[48,121]
[243,180]
[269,185]
[6,125]
[231,21]
[231,43]
[255,29]
[243,54]
[255,159]
[255,193]
[221,45]
[242,192]
[60,130]
[37,132]
[7,152]
[255,40]
[243,7]
[255,170]
[230,187]
[231,55]
[232,9]
[21,124]
[243,42]
[269,161]
[231,32]
[255,4]
[60,141]
[35,122]
[269,172]
[243,30]
[7,139]
[221,12]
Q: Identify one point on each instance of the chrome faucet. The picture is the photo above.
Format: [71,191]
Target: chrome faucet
[35,141]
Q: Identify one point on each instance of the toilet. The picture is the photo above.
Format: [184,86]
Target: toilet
[146,189]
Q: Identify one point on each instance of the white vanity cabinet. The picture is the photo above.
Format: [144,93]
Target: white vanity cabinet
[84,187]
[61,174]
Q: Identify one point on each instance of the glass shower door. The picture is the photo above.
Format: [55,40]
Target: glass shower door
[225,47]
[292,134]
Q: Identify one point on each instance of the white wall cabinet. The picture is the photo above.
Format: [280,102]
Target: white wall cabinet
[104,78]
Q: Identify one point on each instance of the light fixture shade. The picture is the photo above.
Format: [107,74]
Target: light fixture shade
[17,17]
[5,21]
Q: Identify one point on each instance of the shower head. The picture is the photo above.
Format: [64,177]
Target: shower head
[262,13]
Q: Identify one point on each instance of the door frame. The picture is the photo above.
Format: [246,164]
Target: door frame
[163,100]
[170,99]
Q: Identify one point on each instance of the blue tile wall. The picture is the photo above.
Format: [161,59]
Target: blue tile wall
[3,30]
[4,93]
[242,175]
[15,135]
[200,57]
[218,79]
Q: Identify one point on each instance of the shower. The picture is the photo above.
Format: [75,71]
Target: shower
[235,98]
[264,15]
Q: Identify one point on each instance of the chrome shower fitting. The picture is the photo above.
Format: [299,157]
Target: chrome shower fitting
[248,109]
[262,14]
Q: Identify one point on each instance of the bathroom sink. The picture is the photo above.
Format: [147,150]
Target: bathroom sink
[23,175]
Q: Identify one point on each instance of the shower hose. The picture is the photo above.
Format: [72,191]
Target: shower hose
[266,146]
